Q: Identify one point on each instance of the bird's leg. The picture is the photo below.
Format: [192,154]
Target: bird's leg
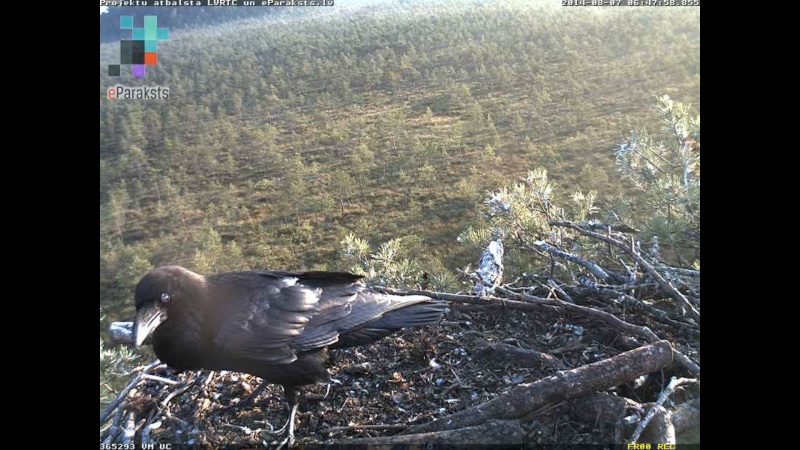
[292,396]
[248,401]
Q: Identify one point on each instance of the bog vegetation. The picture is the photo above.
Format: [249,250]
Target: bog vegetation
[391,142]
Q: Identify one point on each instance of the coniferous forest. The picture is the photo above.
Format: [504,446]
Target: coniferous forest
[396,141]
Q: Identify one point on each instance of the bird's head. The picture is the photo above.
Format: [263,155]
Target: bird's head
[160,294]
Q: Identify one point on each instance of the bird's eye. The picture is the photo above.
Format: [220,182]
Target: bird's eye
[165,297]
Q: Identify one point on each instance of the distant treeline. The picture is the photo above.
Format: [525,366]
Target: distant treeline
[177,17]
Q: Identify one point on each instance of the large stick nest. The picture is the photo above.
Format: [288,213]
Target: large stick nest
[528,364]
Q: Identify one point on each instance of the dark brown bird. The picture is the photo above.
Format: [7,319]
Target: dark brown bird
[275,325]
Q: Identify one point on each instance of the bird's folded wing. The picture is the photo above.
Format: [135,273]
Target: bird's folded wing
[334,308]
[263,329]
[360,317]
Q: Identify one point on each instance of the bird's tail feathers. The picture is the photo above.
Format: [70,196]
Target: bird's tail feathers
[421,311]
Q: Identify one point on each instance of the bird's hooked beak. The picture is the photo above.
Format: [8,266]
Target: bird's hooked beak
[147,319]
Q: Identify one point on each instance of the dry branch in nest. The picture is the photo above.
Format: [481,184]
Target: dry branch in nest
[658,410]
[492,432]
[666,285]
[527,398]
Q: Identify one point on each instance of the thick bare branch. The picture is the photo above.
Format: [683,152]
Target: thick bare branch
[602,408]
[526,398]
[660,429]
[121,332]
[687,416]
[592,267]
[673,383]
[332,430]
[493,432]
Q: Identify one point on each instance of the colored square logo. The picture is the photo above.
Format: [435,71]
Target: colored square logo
[125,22]
[131,52]
[141,49]
[150,28]
[137,70]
